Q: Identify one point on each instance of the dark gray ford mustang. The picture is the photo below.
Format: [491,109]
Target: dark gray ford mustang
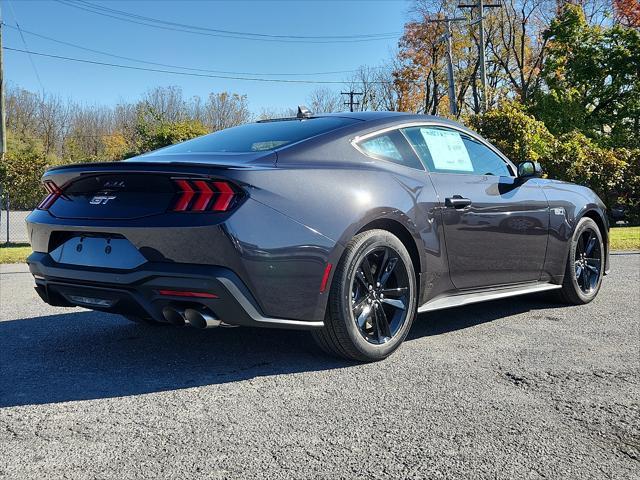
[343,224]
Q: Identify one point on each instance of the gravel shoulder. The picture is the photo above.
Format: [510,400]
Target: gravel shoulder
[520,388]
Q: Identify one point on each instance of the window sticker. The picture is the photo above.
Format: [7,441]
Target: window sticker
[447,150]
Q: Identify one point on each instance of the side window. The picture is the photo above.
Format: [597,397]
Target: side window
[392,147]
[485,161]
[447,151]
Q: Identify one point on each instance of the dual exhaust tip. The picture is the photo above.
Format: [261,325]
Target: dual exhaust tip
[196,317]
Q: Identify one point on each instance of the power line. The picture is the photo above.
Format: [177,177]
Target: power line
[94,6]
[26,47]
[62,42]
[191,74]
[230,32]
[197,30]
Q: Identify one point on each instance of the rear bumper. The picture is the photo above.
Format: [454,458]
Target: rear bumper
[280,261]
[136,292]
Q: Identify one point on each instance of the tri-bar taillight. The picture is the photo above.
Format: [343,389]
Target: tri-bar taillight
[197,195]
[53,193]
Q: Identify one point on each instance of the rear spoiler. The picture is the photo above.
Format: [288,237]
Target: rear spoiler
[195,164]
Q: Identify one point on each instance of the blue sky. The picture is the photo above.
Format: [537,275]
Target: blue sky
[95,84]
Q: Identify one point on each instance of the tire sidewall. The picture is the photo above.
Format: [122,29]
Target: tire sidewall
[363,246]
[584,224]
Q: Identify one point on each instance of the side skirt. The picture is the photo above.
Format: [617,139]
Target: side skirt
[476,296]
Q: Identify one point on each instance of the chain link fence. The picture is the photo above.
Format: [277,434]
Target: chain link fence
[13,228]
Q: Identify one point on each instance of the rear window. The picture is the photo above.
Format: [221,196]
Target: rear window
[257,137]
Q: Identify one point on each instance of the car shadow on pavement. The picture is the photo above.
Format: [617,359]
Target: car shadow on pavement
[89,355]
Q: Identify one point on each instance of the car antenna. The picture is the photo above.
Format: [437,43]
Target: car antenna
[303,112]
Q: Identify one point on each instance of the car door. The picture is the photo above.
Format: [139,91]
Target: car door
[495,224]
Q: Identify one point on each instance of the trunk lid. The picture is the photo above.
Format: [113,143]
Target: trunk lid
[130,189]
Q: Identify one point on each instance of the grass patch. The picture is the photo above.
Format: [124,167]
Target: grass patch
[624,238]
[14,253]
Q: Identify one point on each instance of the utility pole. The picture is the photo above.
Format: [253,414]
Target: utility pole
[481,48]
[351,102]
[448,38]
[3,135]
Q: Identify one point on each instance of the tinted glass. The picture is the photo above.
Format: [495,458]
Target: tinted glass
[392,147]
[447,151]
[257,137]
[485,161]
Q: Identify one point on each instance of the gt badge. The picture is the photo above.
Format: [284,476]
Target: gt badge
[101,199]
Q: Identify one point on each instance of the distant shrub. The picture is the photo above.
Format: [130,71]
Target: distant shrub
[578,159]
[518,135]
[24,164]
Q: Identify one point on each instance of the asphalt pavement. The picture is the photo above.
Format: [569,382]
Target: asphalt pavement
[513,389]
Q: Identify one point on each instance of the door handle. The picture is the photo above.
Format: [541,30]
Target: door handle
[457,201]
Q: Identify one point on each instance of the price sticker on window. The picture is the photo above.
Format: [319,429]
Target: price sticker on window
[447,150]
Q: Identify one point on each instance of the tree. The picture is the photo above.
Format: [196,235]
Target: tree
[152,137]
[379,87]
[20,173]
[115,146]
[628,193]
[420,76]
[627,12]
[325,100]
[592,80]
[519,45]
[580,160]
[164,104]
[223,110]
[22,112]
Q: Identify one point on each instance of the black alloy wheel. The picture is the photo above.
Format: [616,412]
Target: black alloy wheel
[379,295]
[588,261]
[585,264]
[372,300]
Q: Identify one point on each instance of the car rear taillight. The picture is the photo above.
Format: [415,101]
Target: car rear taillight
[54,192]
[204,195]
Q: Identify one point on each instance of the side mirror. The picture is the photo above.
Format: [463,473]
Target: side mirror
[529,169]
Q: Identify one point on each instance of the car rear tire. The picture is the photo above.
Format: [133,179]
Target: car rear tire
[372,299]
[585,264]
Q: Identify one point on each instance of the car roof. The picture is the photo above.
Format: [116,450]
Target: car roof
[377,115]
[385,118]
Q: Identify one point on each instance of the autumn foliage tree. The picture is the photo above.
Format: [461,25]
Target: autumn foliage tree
[627,12]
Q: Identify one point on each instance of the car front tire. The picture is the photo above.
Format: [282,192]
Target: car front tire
[372,300]
[585,264]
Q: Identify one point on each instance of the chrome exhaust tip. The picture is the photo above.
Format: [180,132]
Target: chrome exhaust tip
[201,318]
[173,315]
